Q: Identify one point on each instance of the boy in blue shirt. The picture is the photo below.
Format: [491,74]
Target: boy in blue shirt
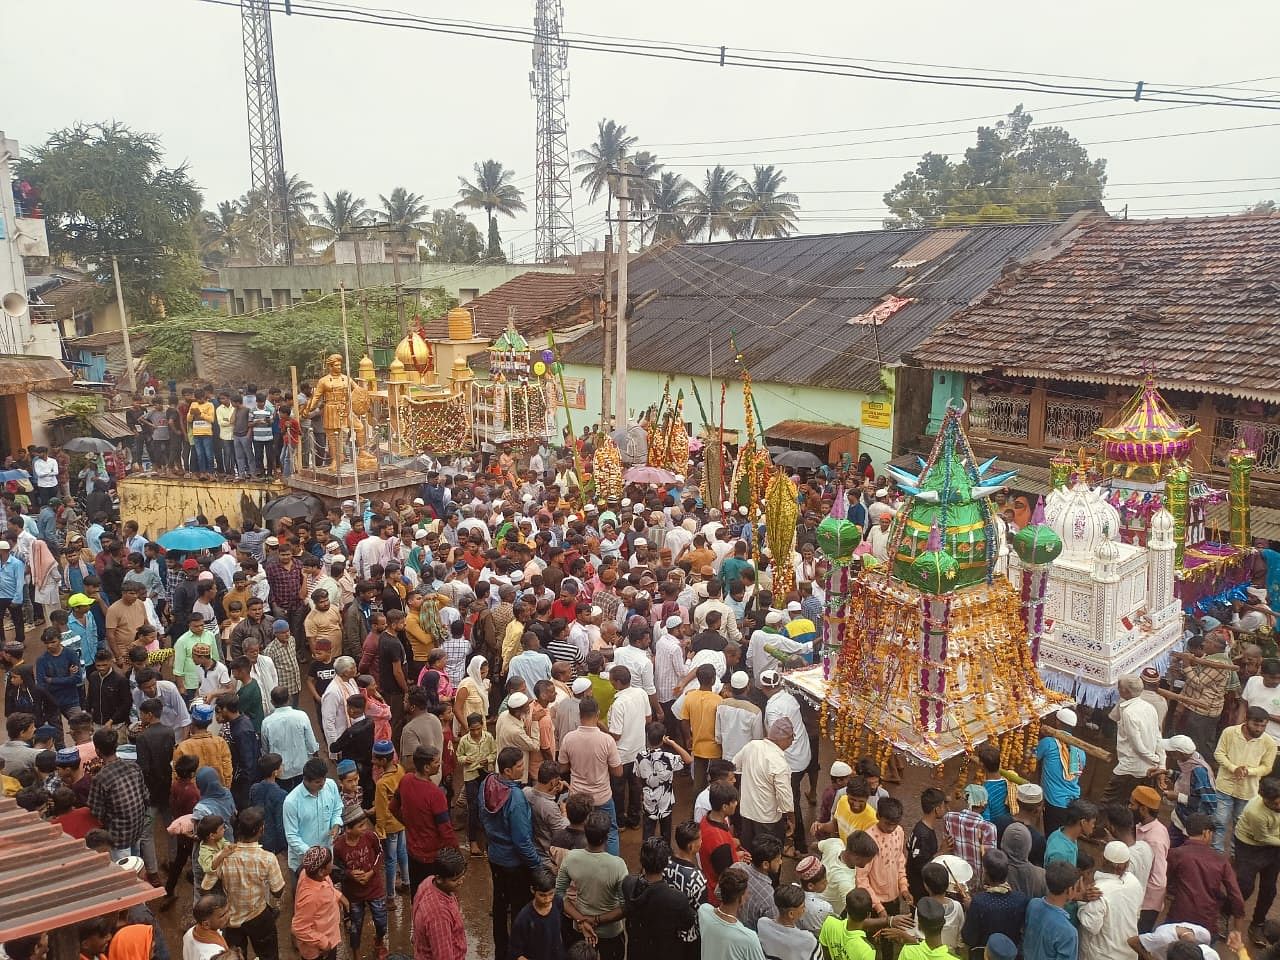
[58,671]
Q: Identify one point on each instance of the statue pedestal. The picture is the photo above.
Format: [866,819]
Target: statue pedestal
[385,482]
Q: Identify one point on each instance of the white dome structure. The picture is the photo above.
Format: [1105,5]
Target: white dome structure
[1082,519]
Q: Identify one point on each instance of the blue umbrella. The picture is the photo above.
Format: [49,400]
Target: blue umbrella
[191,539]
[7,475]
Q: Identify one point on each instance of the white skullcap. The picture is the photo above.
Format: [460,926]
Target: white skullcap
[419,502]
[641,542]
[740,680]
[517,700]
[673,622]
[1067,717]
[580,686]
[728,504]
[743,511]
[794,607]
[773,617]
[841,769]
[1117,851]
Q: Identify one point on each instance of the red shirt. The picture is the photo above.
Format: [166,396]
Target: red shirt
[352,538]
[77,822]
[713,837]
[438,933]
[363,854]
[424,810]
[567,609]
[183,797]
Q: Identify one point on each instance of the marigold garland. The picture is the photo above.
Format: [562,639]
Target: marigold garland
[606,468]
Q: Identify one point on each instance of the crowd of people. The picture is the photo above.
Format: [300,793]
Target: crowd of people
[492,683]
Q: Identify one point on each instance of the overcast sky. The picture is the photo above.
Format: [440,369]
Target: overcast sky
[369,108]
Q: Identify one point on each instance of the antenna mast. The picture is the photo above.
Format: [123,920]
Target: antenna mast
[549,84]
[269,219]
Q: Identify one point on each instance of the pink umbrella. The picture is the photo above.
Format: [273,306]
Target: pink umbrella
[648,475]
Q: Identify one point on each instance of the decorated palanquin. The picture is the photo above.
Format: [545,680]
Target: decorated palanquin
[1135,550]
[935,652]
[429,414]
[515,404]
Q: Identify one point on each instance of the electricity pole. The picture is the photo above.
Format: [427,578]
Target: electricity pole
[620,315]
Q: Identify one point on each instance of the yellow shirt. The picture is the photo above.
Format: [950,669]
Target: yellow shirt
[700,711]
[1258,825]
[421,642]
[200,419]
[847,821]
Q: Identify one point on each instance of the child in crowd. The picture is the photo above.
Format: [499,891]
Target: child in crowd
[537,931]
[656,768]
[317,916]
[477,752]
[869,770]
[449,751]
[1002,786]
[853,810]
[183,797]
[782,939]
[269,795]
[718,771]
[211,834]
[349,784]
[685,875]
[938,886]
[235,613]
[886,875]
[358,851]
[812,877]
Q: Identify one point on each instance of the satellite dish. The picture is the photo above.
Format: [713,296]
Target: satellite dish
[14,304]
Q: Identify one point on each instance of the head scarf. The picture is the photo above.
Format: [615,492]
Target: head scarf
[482,687]
[214,797]
[132,942]
[1024,876]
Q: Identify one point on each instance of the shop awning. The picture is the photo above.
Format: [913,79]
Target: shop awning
[808,431]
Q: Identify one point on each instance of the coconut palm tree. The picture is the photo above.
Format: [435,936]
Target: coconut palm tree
[767,210]
[300,207]
[342,213]
[405,211]
[670,207]
[643,170]
[494,193]
[221,233]
[603,158]
[714,206]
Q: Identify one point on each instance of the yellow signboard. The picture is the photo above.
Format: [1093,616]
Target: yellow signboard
[876,414]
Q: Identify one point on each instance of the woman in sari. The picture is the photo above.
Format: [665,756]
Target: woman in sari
[472,695]
[375,708]
[46,579]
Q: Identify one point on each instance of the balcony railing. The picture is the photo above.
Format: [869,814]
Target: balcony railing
[997,417]
[1261,437]
[42,312]
[1070,423]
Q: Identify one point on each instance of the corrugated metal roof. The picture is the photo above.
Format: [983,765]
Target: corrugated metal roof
[788,302]
[48,879]
[539,300]
[110,426]
[808,431]
[1197,301]
[23,374]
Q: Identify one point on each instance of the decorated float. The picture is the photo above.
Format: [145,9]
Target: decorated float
[516,403]
[1135,552]
[935,651]
[428,414]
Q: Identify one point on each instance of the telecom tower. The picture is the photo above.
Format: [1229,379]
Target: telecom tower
[549,84]
[269,216]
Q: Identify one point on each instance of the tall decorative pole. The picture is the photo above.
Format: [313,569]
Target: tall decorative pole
[780,513]
[1037,546]
[837,538]
[1177,487]
[1240,462]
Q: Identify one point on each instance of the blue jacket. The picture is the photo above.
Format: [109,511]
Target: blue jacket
[269,795]
[508,822]
[54,674]
[87,634]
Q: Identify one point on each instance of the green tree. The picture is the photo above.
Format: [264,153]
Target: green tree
[405,211]
[670,207]
[494,193]
[644,171]
[106,191]
[1012,173]
[220,233]
[451,238]
[341,214]
[1262,206]
[602,159]
[767,210]
[714,207]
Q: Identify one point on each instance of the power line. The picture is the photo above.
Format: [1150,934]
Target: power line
[724,56]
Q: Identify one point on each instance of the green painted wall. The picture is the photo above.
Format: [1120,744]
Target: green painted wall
[947,385]
[777,401]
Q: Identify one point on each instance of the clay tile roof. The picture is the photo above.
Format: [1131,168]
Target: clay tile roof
[1196,301]
[540,300]
[23,374]
[49,879]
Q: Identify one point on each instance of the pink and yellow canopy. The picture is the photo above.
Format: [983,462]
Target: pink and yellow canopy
[1146,437]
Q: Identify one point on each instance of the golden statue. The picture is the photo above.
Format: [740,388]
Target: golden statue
[331,394]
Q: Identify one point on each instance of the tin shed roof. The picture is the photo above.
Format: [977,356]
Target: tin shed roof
[49,879]
[788,302]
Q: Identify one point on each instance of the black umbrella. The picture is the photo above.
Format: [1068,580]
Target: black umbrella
[295,506]
[797,459]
